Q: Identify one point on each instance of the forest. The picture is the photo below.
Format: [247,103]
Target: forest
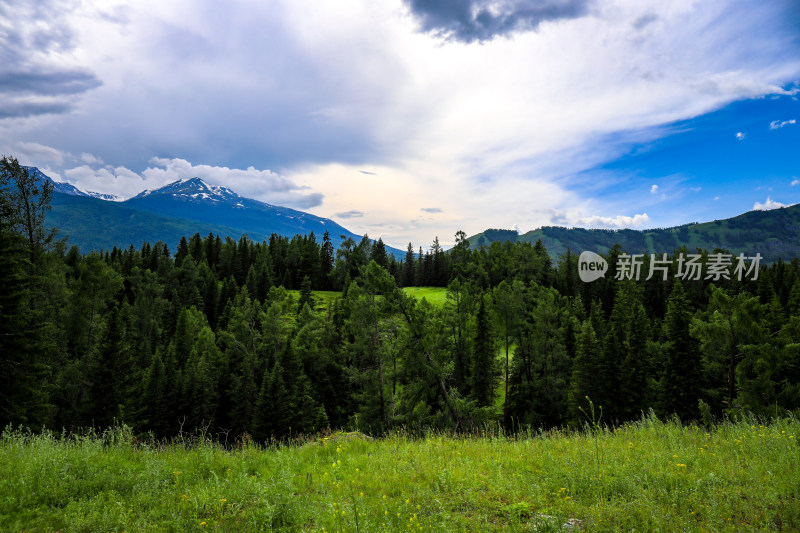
[233,338]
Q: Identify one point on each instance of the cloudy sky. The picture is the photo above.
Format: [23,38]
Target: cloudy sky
[410,119]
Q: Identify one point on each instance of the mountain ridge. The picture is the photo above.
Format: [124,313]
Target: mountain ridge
[775,234]
[180,208]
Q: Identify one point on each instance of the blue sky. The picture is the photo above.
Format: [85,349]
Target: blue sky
[718,164]
[410,119]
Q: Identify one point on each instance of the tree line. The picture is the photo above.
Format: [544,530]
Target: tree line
[229,336]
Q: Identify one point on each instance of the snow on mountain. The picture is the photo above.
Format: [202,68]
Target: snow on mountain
[193,189]
[68,188]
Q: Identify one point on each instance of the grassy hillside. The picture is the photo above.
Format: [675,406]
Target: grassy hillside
[647,476]
[775,234]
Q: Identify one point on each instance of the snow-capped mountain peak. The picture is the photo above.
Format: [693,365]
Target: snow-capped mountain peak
[67,188]
[192,189]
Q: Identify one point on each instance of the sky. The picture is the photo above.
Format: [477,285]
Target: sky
[414,119]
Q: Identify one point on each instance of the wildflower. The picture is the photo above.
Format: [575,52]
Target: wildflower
[203,523]
[223,500]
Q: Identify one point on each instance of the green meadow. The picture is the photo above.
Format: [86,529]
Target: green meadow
[435,296]
[646,476]
[323,300]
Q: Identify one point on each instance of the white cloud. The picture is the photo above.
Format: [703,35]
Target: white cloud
[484,131]
[91,159]
[35,154]
[795,182]
[619,221]
[654,189]
[118,181]
[264,185]
[769,204]
[577,218]
[740,136]
[777,124]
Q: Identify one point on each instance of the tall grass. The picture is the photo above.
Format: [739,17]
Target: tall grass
[646,476]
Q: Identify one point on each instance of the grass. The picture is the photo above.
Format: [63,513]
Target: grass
[436,296]
[646,476]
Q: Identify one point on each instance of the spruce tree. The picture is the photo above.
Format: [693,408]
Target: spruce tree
[306,298]
[409,264]
[584,373]
[482,357]
[679,388]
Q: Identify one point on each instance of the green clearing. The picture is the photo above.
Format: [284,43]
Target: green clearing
[323,300]
[436,296]
[646,476]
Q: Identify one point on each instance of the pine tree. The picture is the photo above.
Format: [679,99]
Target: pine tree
[482,357]
[679,388]
[378,253]
[200,380]
[182,252]
[31,201]
[272,414]
[111,374]
[15,381]
[584,373]
[409,264]
[507,305]
[326,261]
[306,298]
[155,398]
[623,366]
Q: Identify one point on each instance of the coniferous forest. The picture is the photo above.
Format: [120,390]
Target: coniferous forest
[234,337]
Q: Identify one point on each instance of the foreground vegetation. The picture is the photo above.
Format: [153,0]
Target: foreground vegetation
[288,337]
[645,476]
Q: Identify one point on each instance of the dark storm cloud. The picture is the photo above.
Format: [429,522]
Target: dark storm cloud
[349,214]
[29,33]
[48,83]
[28,109]
[483,20]
[305,201]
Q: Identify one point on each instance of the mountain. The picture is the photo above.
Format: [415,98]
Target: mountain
[95,221]
[95,224]
[69,189]
[774,234]
[196,200]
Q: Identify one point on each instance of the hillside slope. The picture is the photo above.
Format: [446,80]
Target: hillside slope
[774,234]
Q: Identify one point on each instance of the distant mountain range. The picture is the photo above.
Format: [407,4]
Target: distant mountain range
[96,221]
[774,234]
